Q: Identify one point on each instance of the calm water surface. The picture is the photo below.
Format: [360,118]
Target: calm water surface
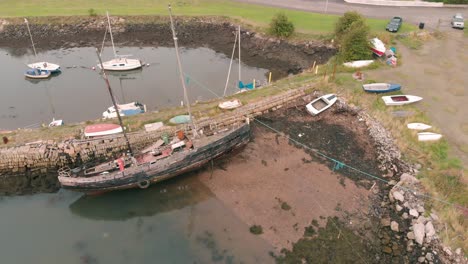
[80,94]
[178,221]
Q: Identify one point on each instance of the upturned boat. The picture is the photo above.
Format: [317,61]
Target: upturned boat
[418,126]
[98,130]
[381,87]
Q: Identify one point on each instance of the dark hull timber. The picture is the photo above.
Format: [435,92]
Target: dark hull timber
[142,175]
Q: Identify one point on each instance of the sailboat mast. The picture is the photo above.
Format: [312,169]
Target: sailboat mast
[240,79]
[30,36]
[181,73]
[110,32]
[114,103]
[230,65]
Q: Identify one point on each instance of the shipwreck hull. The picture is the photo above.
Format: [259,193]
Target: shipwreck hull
[152,172]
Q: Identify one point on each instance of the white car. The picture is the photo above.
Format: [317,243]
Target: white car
[457,21]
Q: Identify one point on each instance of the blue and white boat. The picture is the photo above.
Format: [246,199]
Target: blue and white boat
[381,87]
[37,74]
[129,109]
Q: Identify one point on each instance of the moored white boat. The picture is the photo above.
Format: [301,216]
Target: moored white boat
[418,126]
[120,62]
[358,63]
[97,130]
[428,136]
[43,65]
[52,67]
[231,104]
[377,47]
[321,104]
[400,99]
[381,87]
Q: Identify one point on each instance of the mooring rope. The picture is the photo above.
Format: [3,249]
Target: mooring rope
[339,165]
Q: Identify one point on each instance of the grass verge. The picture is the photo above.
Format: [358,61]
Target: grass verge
[257,16]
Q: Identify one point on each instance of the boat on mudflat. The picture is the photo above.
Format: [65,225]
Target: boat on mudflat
[98,130]
[381,87]
[418,126]
[400,99]
[167,161]
[321,104]
[165,158]
[231,104]
[428,136]
[377,47]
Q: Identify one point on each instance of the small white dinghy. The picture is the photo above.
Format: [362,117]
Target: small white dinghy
[358,63]
[56,123]
[400,99]
[230,104]
[418,126]
[428,136]
[321,104]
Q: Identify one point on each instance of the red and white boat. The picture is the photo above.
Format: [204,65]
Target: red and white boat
[97,130]
[400,99]
[378,47]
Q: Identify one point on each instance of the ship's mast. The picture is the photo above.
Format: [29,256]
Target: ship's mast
[110,32]
[30,36]
[181,74]
[104,75]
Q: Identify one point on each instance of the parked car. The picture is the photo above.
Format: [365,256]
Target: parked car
[457,21]
[394,24]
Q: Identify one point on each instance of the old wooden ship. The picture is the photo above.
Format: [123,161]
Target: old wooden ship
[166,158]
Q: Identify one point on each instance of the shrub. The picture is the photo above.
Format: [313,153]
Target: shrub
[355,43]
[280,26]
[344,23]
[256,229]
[92,12]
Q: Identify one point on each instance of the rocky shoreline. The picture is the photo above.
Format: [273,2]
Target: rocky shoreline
[408,231]
[215,33]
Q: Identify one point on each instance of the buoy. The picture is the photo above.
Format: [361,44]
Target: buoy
[147,64]
[94,68]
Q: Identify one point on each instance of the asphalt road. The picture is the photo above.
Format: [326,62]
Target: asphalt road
[429,15]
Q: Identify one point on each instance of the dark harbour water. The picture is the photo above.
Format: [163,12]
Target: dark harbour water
[80,94]
[178,221]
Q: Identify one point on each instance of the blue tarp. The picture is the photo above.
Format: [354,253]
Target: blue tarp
[245,86]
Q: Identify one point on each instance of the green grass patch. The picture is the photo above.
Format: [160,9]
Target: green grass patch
[254,15]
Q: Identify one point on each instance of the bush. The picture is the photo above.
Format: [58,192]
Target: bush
[344,23]
[256,229]
[355,44]
[92,12]
[280,26]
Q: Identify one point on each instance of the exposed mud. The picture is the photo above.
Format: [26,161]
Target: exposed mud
[270,53]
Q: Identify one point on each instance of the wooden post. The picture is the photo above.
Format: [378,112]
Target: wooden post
[334,71]
[316,70]
[254,83]
[313,66]
[269,78]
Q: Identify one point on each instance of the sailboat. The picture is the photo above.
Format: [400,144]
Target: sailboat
[119,62]
[164,159]
[44,67]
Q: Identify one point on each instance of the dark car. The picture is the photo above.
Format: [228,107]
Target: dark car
[394,24]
